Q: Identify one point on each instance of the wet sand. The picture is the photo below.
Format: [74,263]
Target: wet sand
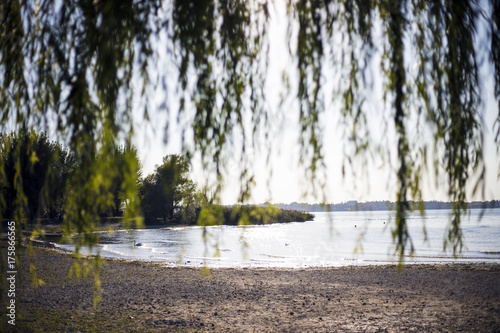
[141,296]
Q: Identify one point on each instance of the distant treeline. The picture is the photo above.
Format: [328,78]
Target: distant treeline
[382,205]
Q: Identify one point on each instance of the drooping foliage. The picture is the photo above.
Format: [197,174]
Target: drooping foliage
[82,69]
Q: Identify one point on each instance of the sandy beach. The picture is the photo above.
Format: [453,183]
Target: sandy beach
[142,297]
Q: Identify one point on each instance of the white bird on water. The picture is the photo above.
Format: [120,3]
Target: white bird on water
[137,244]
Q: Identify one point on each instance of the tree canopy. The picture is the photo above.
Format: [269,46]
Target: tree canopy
[81,69]
[168,191]
[37,177]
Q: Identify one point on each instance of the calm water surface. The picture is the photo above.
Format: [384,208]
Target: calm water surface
[332,239]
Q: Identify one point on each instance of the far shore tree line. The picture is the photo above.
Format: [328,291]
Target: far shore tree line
[354,205]
[44,171]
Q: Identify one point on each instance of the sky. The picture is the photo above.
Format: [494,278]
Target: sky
[282,180]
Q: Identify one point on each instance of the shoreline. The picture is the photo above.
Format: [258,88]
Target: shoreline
[48,244]
[138,296]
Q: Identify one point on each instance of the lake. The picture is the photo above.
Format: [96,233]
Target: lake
[332,239]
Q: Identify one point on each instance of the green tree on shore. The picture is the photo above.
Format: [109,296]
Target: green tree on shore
[79,67]
[168,192]
[35,176]
[41,169]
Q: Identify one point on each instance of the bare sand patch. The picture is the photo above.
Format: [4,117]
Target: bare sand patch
[140,296]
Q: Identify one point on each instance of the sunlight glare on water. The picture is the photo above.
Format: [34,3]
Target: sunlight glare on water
[332,239]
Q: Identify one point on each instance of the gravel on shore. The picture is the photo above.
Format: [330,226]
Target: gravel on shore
[142,296]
